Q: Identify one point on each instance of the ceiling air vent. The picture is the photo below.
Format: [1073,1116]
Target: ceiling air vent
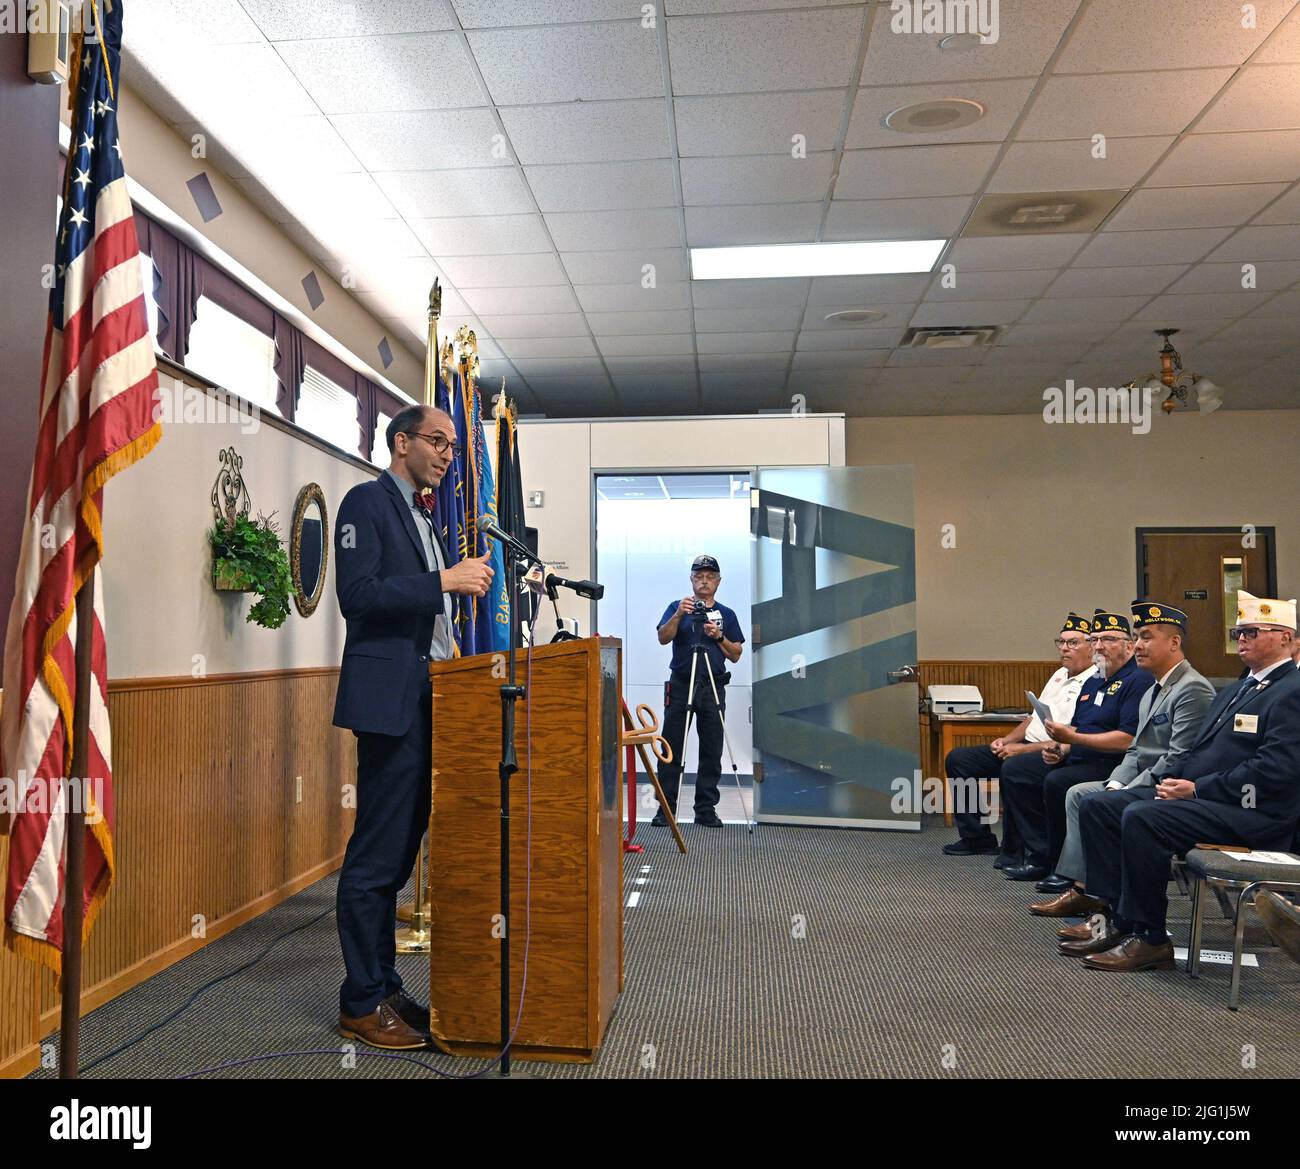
[955,337]
[1041,212]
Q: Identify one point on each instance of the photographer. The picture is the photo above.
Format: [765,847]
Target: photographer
[698,620]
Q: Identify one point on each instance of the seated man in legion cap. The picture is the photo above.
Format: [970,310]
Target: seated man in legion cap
[1239,783]
[1089,747]
[1169,720]
[966,766]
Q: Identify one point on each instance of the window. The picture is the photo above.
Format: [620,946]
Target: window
[232,353]
[328,411]
[379,448]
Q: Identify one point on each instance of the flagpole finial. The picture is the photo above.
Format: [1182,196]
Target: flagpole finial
[435,301]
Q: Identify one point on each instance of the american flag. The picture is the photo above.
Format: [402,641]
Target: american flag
[96,418]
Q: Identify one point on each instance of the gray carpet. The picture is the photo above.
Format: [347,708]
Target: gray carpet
[912,964]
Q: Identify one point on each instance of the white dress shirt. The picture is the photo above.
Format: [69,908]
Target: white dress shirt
[1059,696]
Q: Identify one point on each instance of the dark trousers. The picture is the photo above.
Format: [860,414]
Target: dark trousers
[1056,785]
[1128,843]
[393,794]
[1022,803]
[962,768]
[709,726]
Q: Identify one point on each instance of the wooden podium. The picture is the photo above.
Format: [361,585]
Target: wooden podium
[575,955]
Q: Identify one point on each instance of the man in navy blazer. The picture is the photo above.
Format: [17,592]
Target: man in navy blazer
[1239,783]
[394,587]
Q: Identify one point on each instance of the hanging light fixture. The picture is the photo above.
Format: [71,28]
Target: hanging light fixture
[1181,388]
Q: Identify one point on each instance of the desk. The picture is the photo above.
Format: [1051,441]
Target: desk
[943,732]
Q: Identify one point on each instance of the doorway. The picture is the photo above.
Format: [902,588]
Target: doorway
[649,527]
[1200,570]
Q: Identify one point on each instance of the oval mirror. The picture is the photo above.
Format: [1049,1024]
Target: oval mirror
[309,544]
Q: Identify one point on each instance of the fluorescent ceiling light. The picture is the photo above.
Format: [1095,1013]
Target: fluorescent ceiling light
[868,258]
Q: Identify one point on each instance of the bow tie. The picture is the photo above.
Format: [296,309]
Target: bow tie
[426,500]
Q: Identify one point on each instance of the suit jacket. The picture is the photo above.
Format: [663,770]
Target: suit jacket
[390,600]
[1166,727]
[1247,754]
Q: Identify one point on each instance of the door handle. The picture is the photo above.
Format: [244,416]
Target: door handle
[903,674]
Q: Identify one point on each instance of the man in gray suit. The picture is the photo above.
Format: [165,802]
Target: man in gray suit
[1168,721]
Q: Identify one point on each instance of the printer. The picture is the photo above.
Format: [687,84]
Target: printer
[954,699]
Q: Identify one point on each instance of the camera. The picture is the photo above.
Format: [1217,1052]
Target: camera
[700,609]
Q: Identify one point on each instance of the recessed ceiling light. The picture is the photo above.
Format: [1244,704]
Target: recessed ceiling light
[864,258]
[961,42]
[855,315]
[934,117]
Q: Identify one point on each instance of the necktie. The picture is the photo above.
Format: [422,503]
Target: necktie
[1246,687]
[1155,693]
[428,501]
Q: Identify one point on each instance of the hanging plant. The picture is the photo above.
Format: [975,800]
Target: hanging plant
[249,556]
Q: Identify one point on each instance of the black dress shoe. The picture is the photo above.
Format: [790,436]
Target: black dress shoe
[1054,884]
[659,820]
[708,817]
[1008,860]
[410,1012]
[964,847]
[1025,873]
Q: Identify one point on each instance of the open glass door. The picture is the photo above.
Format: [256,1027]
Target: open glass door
[834,629]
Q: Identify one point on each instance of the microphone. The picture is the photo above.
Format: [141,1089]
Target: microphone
[584,588]
[488,528]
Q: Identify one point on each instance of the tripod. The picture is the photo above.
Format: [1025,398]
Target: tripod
[699,652]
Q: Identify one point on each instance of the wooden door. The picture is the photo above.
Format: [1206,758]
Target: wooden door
[1200,573]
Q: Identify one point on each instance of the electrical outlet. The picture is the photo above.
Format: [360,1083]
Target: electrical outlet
[297,779]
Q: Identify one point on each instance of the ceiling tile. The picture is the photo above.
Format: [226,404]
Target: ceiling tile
[1008,253]
[482,235]
[772,223]
[906,172]
[1028,32]
[746,320]
[666,344]
[403,280]
[494,14]
[628,324]
[969,312]
[420,194]
[895,315]
[749,293]
[547,299]
[528,271]
[1254,244]
[603,186]
[935,357]
[1126,105]
[1120,281]
[924,377]
[612,230]
[767,178]
[239,145]
[997,285]
[716,381]
[716,344]
[1268,276]
[559,367]
[864,290]
[1265,156]
[1174,207]
[283,20]
[633,297]
[738,363]
[1284,45]
[763,51]
[662,265]
[1166,34]
[896,218]
[1002,100]
[634,386]
[520,348]
[422,140]
[569,385]
[158,22]
[1114,248]
[1070,166]
[1204,306]
[758,123]
[505,328]
[856,339]
[351,196]
[1084,308]
[587,131]
[697,7]
[681,366]
[569,63]
[1285,210]
[840,359]
[1261,97]
[1082,333]
[372,74]
[251,79]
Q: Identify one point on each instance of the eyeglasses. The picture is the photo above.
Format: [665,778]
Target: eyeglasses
[1107,639]
[1250,632]
[440,442]
[1061,643]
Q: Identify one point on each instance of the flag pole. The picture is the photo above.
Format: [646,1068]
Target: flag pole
[74,898]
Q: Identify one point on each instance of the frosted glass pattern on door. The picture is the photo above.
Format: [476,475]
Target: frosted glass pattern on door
[834,616]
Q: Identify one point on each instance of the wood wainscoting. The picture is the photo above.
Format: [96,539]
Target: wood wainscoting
[1002,684]
[210,831]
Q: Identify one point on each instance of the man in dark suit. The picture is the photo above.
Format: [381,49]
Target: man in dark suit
[1238,784]
[394,589]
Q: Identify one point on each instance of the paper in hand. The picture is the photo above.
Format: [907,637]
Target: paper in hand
[1040,708]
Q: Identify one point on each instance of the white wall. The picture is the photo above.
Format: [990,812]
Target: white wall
[159,602]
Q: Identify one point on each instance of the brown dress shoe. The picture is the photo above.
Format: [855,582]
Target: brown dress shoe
[1076,933]
[383,1028]
[1071,903]
[1133,953]
[1090,945]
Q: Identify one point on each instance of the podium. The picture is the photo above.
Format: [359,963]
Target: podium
[575,951]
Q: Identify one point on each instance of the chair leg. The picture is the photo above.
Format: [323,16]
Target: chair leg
[1238,931]
[1194,945]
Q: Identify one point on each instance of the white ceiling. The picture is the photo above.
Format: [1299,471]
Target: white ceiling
[539,156]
